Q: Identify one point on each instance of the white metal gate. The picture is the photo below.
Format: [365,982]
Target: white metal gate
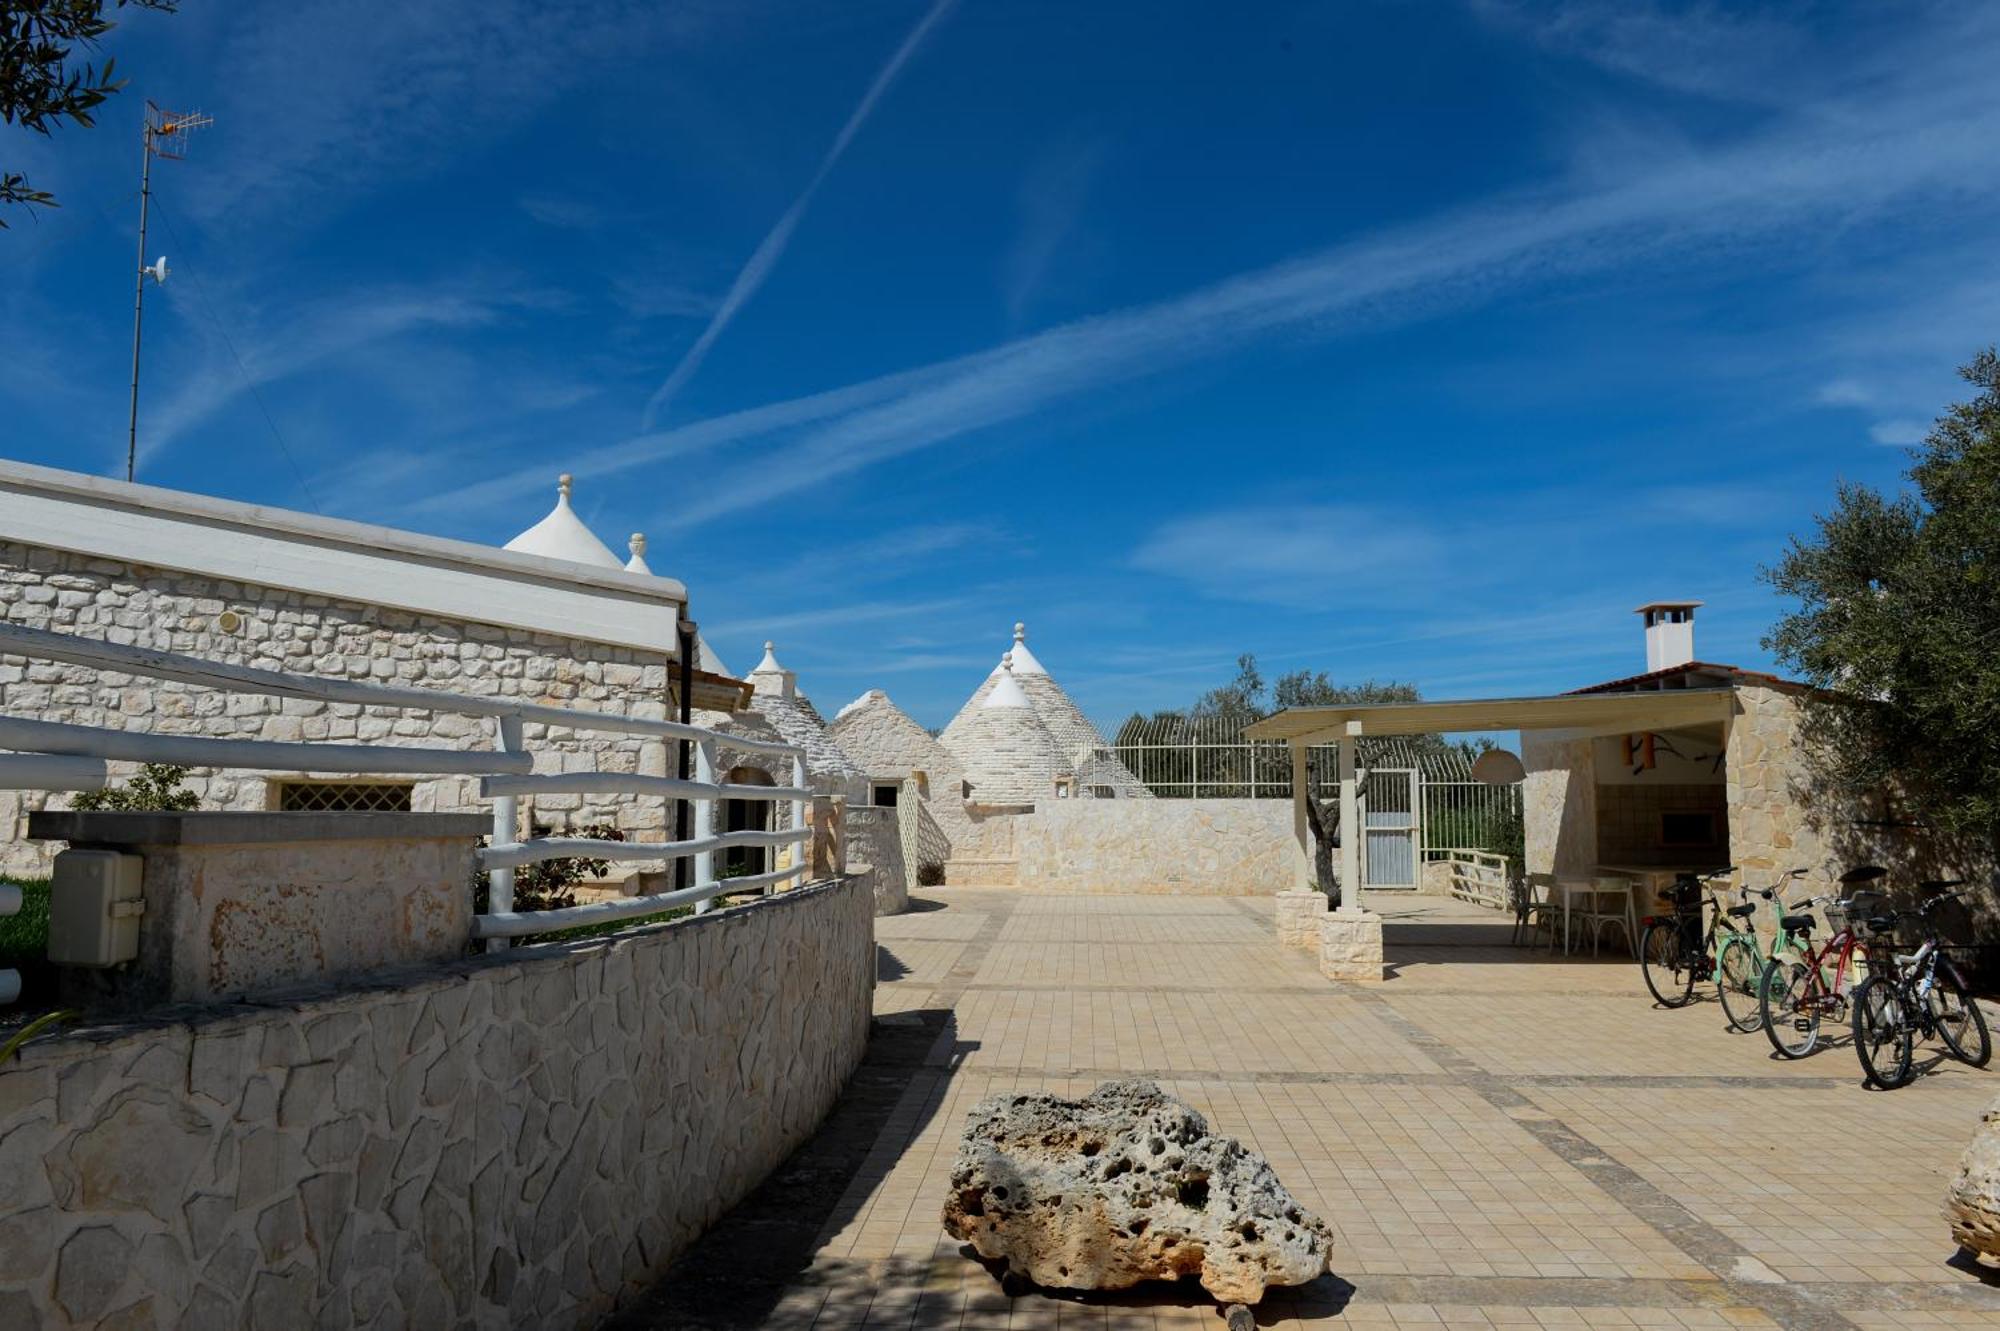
[1394,826]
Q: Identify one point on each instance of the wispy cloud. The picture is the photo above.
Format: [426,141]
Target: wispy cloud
[1901,143]
[1308,556]
[1899,433]
[772,248]
[1052,197]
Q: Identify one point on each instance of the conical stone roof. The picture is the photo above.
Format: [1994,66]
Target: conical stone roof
[1008,754]
[777,699]
[886,742]
[1083,751]
[562,535]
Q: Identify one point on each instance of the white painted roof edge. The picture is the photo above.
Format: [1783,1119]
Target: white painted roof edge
[145,525]
[341,531]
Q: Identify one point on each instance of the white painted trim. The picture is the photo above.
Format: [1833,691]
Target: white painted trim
[352,561]
[513,925]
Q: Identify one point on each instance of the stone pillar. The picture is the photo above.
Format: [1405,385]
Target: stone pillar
[1299,914]
[828,850]
[1559,802]
[1350,945]
[1350,830]
[1303,877]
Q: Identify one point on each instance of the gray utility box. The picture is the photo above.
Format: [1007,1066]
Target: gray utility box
[94,908]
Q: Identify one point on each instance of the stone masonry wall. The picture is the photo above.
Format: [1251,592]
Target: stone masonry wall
[522,1140]
[1779,819]
[875,849]
[1559,804]
[1185,847]
[283,630]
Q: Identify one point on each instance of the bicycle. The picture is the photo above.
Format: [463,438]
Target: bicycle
[1924,995]
[1799,991]
[1740,965]
[1674,952]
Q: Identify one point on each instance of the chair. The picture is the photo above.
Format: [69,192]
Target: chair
[1535,906]
[1623,914]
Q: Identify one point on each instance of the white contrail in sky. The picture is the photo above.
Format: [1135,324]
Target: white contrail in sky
[772,248]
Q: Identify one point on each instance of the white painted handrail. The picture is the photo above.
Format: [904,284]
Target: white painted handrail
[539,849]
[49,771]
[513,925]
[60,756]
[626,783]
[142,746]
[156,664]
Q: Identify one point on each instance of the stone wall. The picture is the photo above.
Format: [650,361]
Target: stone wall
[1559,803]
[526,1139]
[1780,818]
[875,851]
[307,634]
[1185,847]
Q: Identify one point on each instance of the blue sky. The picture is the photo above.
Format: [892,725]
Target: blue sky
[1418,341]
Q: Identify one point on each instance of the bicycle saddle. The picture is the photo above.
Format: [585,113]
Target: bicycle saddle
[1864,873]
[1882,924]
[1744,911]
[1940,884]
[1798,924]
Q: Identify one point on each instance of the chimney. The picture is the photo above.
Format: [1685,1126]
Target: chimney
[1669,633]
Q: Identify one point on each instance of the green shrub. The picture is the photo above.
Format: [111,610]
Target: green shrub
[930,874]
[158,788]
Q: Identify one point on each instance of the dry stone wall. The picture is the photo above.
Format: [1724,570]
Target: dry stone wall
[307,634]
[525,1140]
[1184,847]
[875,850]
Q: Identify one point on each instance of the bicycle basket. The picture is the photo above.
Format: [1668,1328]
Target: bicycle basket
[1865,904]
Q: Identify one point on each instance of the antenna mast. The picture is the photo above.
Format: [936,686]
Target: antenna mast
[165,135]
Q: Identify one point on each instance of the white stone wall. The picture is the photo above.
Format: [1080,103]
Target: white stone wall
[1559,803]
[528,1140]
[305,634]
[1184,847]
[875,850]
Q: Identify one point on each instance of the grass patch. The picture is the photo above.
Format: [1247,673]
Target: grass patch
[24,938]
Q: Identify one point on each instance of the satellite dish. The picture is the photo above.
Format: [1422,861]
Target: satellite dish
[157,270]
[1498,767]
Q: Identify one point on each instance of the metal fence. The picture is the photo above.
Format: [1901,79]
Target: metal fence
[61,756]
[1208,758]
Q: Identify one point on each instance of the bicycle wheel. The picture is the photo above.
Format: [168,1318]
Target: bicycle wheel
[1881,1034]
[1664,959]
[1738,972]
[1960,1022]
[1791,1017]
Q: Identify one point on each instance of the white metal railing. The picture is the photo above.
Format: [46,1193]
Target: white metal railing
[62,756]
[1478,877]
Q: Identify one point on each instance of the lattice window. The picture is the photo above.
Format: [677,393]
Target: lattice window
[344,796]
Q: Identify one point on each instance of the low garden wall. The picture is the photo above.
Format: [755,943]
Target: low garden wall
[523,1139]
[1233,848]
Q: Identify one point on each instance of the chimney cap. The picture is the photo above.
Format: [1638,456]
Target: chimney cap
[1668,605]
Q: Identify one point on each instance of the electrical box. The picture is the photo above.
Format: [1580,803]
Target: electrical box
[94,908]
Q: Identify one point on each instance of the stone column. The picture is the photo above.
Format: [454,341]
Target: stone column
[1350,826]
[1303,879]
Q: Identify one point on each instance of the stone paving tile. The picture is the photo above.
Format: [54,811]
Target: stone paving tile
[1500,1138]
[1811,1188]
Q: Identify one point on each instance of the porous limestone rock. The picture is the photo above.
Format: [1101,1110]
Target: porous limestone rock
[1126,1185]
[1973,1204]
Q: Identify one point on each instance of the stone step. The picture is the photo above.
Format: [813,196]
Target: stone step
[982,872]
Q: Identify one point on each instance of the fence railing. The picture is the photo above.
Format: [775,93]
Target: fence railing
[63,756]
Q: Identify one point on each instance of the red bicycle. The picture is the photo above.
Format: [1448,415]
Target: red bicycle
[1800,988]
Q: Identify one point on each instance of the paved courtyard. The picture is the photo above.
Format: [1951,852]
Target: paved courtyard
[1497,1137]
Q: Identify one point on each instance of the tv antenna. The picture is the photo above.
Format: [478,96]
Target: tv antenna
[165,135]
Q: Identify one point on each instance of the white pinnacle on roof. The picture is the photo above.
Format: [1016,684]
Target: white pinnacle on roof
[637,563]
[562,535]
[1024,660]
[1007,693]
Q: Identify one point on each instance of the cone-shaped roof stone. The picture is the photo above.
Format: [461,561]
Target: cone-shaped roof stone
[562,535]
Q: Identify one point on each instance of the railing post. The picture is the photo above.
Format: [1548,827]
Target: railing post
[704,822]
[801,853]
[506,830]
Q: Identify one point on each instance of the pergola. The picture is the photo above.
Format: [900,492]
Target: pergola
[1580,714]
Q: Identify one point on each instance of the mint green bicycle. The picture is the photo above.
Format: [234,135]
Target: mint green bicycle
[1740,964]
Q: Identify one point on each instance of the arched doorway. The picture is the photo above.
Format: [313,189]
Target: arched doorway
[746,816]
